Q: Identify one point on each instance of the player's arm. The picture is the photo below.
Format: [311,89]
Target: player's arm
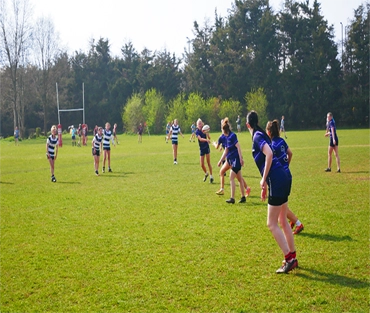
[290,155]
[266,150]
[240,153]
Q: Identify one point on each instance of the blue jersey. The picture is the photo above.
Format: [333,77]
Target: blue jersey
[107,137]
[222,141]
[202,144]
[97,140]
[280,148]
[52,142]
[193,128]
[231,141]
[330,126]
[259,140]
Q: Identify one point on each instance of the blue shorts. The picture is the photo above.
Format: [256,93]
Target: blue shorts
[235,164]
[73,137]
[175,142]
[279,184]
[204,151]
[51,156]
[106,148]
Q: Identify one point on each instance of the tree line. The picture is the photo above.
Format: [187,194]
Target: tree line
[279,63]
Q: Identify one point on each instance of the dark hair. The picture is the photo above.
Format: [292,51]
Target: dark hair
[273,128]
[252,120]
[226,125]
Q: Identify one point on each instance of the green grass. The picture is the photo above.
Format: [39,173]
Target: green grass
[152,237]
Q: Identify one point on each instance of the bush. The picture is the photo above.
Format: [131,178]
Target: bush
[38,132]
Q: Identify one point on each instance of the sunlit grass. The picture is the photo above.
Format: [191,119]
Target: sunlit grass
[152,237]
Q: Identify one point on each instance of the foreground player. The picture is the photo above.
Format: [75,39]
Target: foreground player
[233,156]
[226,166]
[96,148]
[52,150]
[333,143]
[284,156]
[204,140]
[273,175]
[107,138]
[175,130]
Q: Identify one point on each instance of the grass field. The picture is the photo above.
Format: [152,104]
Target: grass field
[153,237]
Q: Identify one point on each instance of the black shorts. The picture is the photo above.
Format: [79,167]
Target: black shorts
[204,151]
[277,201]
[106,149]
[332,143]
[97,152]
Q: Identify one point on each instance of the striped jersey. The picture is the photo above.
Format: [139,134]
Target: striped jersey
[52,142]
[107,137]
[175,132]
[97,140]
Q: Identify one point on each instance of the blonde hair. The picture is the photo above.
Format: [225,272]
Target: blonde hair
[107,124]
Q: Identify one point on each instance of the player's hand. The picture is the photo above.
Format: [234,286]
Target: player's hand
[219,163]
[242,162]
[263,194]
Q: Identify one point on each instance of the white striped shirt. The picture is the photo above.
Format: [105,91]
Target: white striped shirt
[97,140]
[52,142]
[107,137]
[175,132]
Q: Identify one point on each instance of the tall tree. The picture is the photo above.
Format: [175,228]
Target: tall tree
[45,51]
[15,40]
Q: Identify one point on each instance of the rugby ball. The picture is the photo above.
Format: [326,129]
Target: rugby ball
[206,129]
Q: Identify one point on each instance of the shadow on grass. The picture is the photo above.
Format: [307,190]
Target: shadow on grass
[326,237]
[68,182]
[333,279]
[5,182]
[115,174]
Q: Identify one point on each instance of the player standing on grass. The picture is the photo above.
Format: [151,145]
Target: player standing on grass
[333,143]
[96,148]
[115,139]
[282,126]
[204,140]
[52,150]
[233,156]
[107,138]
[226,166]
[275,177]
[284,156]
[174,132]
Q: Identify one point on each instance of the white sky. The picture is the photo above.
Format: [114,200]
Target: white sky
[154,24]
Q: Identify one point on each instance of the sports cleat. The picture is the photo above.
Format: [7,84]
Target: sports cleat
[110,170]
[96,173]
[247,191]
[291,224]
[287,266]
[328,170]
[205,177]
[231,200]
[242,200]
[220,192]
[103,170]
[338,171]
[211,180]
[174,162]
[53,179]
[298,229]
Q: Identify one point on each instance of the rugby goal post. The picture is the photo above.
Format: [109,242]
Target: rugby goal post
[69,110]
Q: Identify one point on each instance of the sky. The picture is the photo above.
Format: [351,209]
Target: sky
[154,24]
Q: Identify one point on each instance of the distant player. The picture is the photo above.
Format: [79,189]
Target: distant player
[52,150]
[140,133]
[107,138]
[331,131]
[282,126]
[16,136]
[193,129]
[96,148]
[175,130]
[115,139]
[204,140]
[168,128]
